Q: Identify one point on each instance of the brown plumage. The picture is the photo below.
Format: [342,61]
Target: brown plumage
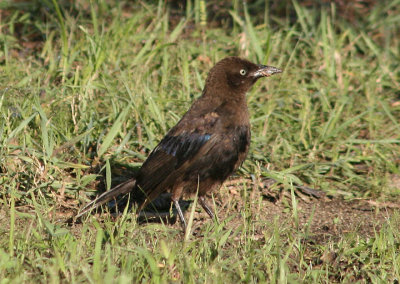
[207,145]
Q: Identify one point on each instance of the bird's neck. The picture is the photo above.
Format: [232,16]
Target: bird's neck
[232,106]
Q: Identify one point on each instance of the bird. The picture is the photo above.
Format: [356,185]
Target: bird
[207,145]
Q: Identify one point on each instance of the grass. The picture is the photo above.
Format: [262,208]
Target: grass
[88,90]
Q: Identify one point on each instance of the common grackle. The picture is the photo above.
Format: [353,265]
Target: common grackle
[207,145]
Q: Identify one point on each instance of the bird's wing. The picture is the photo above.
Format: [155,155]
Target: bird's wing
[180,145]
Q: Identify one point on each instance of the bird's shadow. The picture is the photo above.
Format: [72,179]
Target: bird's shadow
[160,210]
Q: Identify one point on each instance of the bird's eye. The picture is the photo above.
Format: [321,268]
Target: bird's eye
[242,72]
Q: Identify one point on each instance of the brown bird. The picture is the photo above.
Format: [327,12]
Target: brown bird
[207,145]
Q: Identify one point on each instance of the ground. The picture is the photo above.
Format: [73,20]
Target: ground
[326,217]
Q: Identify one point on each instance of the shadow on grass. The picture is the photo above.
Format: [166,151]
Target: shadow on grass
[159,210]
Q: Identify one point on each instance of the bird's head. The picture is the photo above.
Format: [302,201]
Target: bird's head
[238,74]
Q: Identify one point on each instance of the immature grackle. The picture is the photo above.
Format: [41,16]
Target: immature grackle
[206,146]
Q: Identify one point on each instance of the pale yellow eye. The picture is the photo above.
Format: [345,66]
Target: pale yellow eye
[242,72]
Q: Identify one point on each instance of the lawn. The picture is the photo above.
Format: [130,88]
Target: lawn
[88,89]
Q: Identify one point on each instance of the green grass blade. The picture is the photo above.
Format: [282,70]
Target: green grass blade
[113,131]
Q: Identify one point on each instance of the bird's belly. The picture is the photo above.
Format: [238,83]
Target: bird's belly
[218,164]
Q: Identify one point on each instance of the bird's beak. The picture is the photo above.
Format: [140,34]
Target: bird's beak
[265,71]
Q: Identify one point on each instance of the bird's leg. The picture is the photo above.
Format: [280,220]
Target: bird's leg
[205,206]
[180,213]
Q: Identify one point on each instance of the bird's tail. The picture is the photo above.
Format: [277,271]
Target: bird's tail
[120,189]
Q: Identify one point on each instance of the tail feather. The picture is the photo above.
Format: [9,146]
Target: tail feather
[122,188]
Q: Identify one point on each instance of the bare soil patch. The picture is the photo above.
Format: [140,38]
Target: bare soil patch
[327,218]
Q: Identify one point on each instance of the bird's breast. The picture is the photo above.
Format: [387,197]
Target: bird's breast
[240,138]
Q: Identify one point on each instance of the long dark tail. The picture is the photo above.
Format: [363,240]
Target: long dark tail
[120,189]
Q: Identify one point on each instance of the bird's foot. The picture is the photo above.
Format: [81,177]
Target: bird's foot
[205,206]
[180,214]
